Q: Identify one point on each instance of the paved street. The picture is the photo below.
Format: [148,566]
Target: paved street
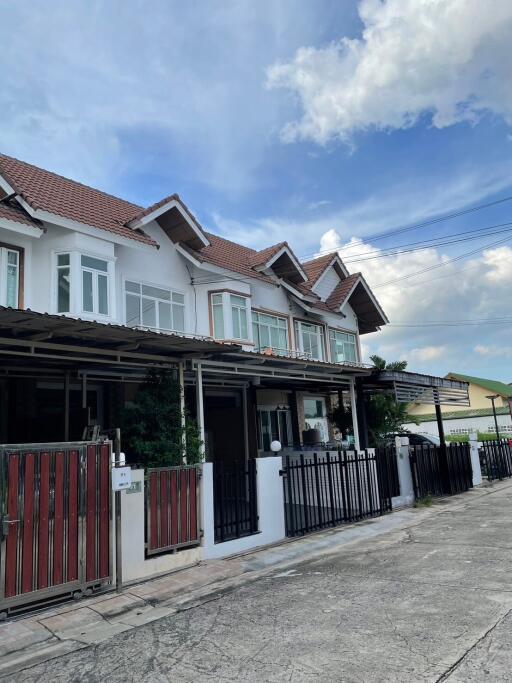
[432,602]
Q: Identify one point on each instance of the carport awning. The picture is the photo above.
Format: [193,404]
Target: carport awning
[26,333]
[411,387]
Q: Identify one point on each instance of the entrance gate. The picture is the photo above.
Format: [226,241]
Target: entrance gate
[55,521]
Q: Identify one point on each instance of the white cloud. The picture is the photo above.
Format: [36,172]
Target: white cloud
[499,263]
[86,88]
[449,60]
[426,353]
[494,351]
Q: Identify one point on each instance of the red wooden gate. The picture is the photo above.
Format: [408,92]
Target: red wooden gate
[55,514]
[172,508]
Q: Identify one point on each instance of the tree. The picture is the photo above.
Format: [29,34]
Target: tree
[380,364]
[384,414]
[152,428]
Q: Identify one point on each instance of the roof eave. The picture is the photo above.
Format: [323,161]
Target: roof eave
[172,204]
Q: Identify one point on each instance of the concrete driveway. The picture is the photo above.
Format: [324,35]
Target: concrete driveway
[432,602]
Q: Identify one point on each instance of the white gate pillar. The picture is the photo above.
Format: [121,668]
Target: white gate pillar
[406,496]
[475,459]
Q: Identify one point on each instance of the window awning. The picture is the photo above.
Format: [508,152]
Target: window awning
[61,339]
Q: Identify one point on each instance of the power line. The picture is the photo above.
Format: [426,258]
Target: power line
[431,243]
[471,236]
[455,323]
[442,264]
[416,226]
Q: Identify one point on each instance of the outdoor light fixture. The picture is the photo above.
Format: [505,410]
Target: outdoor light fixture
[492,399]
[275,446]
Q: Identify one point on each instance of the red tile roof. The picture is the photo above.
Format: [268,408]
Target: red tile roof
[12,211]
[263,256]
[341,291]
[316,267]
[230,255]
[145,212]
[69,199]
[66,198]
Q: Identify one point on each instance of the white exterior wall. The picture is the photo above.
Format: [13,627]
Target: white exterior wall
[326,283]
[163,267]
[477,424]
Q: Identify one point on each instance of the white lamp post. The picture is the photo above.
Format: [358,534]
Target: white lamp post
[275,446]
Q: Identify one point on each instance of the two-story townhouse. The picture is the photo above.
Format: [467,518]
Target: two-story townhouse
[292,329]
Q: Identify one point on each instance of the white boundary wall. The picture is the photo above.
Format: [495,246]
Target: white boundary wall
[269,486]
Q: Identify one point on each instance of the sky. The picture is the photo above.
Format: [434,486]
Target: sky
[324,123]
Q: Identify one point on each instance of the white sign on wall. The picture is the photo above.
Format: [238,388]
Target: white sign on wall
[121,478]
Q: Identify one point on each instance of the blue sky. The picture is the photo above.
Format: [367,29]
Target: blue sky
[315,121]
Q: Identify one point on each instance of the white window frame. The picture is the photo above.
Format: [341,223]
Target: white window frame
[299,342]
[156,300]
[227,315]
[279,351]
[4,265]
[337,331]
[96,273]
[57,269]
[76,284]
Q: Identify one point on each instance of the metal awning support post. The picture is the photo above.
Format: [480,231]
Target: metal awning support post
[66,406]
[439,418]
[181,383]
[361,415]
[200,407]
[353,406]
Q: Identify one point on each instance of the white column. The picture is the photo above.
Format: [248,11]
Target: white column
[181,382]
[406,496]
[200,406]
[475,459]
[246,423]
[353,406]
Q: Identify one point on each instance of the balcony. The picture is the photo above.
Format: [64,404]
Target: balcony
[304,355]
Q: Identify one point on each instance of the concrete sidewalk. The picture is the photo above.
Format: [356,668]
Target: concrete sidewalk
[44,635]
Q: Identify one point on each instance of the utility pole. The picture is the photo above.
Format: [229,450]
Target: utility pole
[492,399]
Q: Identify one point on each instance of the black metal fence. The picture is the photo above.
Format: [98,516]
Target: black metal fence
[326,489]
[235,499]
[441,470]
[387,471]
[496,459]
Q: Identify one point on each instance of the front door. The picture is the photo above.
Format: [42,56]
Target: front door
[224,426]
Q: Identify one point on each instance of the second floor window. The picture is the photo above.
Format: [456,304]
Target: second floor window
[343,346]
[310,339]
[153,307]
[63,283]
[94,285]
[9,277]
[230,316]
[270,332]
